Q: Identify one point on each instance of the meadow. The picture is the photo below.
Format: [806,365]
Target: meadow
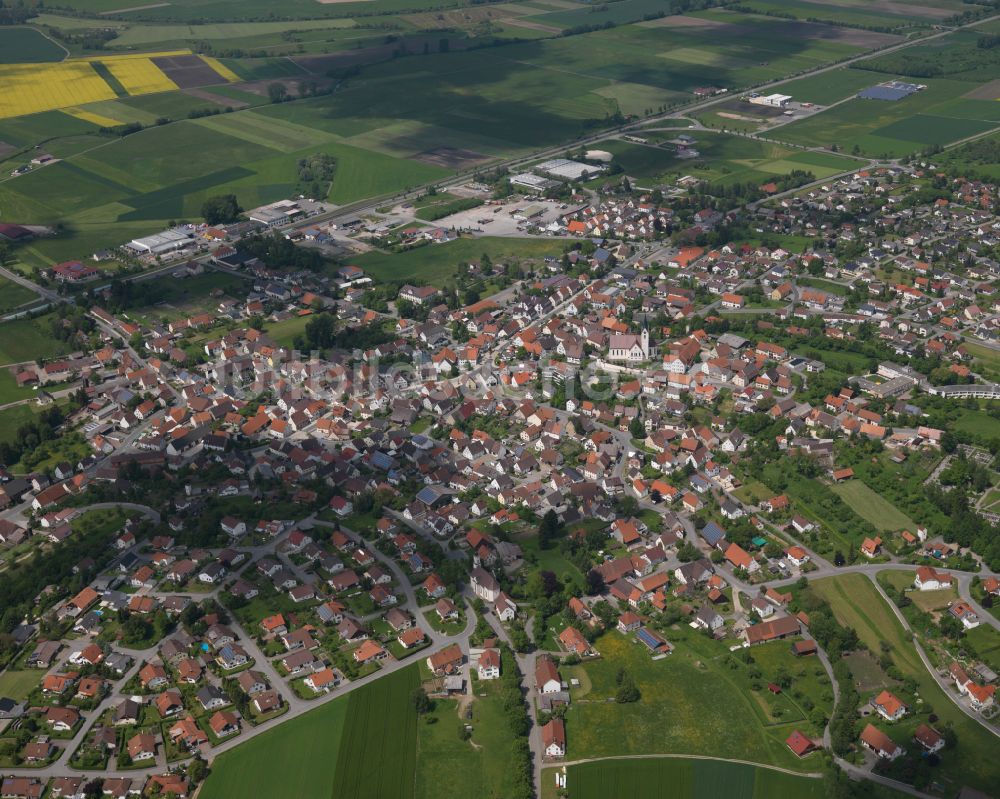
[857,604]
[450,768]
[14,294]
[437,263]
[711,708]
[872,507]
[28,339]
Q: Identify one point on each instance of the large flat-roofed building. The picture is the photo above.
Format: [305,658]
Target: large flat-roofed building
[527,180]
[160,243]
[565,169]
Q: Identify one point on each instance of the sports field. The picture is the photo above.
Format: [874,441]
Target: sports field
[872,507]
[363,744]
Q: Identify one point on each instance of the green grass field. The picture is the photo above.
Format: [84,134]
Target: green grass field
[27,46]
[27,339]
[939,114]
[437,263]
[711,708]
[979,424]
[724,159]
[449,768]
[873,508]
[18,684]
[857,604]
[14,294]
[363,744]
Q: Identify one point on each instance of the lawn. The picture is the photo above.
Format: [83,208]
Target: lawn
[437,263]
[857,604]
[551,560]
[367,738]
[18,684]
[873,508]
[710,707]
[285,331]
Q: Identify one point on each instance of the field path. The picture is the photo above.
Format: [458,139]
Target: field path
[813,775]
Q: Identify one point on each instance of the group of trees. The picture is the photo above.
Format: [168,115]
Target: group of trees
[515,713]
[277,252]
[221,209]
[31,435]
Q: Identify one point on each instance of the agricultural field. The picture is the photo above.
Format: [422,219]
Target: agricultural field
[724,159]
[830,87]
[962,80]
[895,17]
[14,294]
[872,507]
[856,603]
[28,46]
[32,89]
[365,738]
[388,129]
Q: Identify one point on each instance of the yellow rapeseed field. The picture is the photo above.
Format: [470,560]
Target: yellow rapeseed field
[139,75]
[32,88]
[92,117]
[221,68]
